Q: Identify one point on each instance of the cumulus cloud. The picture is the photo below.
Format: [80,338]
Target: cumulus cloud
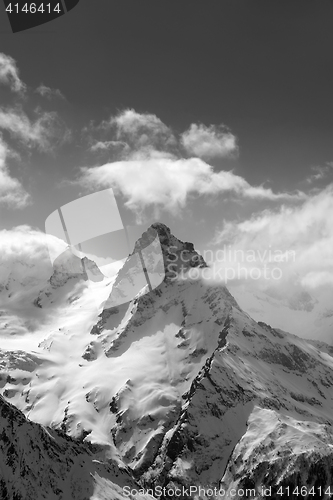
[44,132]
[30,246]
[9,74]
[151,168]
[41,129]
[143,130]
[209,142]
[142,134]
[25,262]
[48,92]
[37,129]
[168,182]
[300,236]
[278,264]
[133,133]
[12,193]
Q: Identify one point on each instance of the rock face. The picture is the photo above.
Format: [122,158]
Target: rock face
[69,272]
[31,292]
[177,255]
[158,257]
[69,266]
[291,454]
[181,386]
[259,413]
[38,463]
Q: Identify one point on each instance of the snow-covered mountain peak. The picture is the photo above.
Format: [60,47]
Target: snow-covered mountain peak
[177,254]
[158,256]
[68,266]
[176,381]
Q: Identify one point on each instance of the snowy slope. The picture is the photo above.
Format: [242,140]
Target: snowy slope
[145,356]
[308,315]
[257,368]
[279,451]
[174,382]
[39,463]
[31,297]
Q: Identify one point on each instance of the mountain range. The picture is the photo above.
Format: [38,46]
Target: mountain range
[170,387]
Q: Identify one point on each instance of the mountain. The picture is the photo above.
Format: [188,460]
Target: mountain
[259,413]
[23,276]
[31,296]
[308,315]
[40,463]
[179,384]
[69,266]
[68,269]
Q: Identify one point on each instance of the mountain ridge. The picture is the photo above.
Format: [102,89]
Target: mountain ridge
[174,383]
[41,463]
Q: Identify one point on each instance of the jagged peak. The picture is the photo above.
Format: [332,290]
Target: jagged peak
[167,238]
[158,256]
[177,254]
[69,265]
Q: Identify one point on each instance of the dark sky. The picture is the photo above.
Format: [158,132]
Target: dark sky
[263,68]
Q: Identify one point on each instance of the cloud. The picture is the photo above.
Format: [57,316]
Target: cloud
[278,264]
[44,132]
[136,132]
[301,235]
[44,129]
[30,246]
[209,142]
[12,193]
[149,167]
[49,93]
[9,74]
[167,182]
[102,146]
[143,133]
[321,172]
[24,257]
[143,130]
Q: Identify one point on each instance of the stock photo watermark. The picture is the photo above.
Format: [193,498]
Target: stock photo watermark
[189,491]
[200,492]
[229,264]
[97,214]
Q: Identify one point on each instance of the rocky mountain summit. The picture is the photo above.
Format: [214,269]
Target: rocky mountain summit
[70,266]
[176,253]
[176,384]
